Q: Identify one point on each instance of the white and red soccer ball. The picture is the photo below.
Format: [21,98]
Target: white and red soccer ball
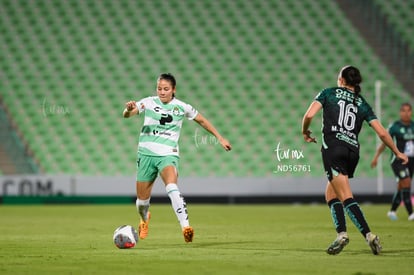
[125,236]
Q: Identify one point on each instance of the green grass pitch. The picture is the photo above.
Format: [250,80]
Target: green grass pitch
[229,239]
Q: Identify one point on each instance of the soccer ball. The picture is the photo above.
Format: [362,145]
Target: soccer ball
[125,236]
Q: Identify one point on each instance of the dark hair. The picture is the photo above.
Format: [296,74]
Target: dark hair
[169,77]
[406,104]
[352,78]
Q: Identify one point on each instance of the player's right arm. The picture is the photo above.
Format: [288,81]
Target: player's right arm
[313,109]
[130,109]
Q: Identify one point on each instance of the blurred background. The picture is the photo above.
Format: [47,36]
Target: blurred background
[251,67]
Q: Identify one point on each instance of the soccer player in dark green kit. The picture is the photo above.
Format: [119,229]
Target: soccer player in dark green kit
[402,132]
[344,111]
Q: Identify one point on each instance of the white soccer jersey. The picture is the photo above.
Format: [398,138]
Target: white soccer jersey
[162,125]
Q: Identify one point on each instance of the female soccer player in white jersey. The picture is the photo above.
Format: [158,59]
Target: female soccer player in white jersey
[344,111]
[158,151]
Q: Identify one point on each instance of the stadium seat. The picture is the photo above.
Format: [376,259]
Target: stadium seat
[248,66]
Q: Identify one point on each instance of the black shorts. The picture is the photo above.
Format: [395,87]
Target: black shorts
[403,171]
[339,160]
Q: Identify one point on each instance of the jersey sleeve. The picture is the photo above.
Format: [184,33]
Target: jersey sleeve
[141,105]
[369,113]
[392,129]
[190,112]
[321,97]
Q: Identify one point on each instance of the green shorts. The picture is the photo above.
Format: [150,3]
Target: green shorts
[148,167]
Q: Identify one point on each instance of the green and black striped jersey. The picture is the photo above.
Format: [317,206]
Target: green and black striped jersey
[342,120]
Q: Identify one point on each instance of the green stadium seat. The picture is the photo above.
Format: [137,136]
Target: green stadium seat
[250,68]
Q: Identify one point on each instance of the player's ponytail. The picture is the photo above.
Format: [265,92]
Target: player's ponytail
[352,78]
[357,90]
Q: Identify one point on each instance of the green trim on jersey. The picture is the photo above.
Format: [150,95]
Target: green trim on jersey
[145,151]
[146,129]
[165,141]
[403,137]
[156,116]
[342,119]
[162,125]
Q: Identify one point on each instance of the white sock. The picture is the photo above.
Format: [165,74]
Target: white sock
[142,208]
[178,204]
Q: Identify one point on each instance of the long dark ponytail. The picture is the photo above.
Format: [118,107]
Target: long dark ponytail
[352,78]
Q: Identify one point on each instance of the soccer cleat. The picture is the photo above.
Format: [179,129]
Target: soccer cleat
[340,242]
[188,233]
[392,215]
[411,217]
[374,243]
[143,227]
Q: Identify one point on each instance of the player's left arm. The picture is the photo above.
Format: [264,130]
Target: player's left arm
[387,140]
[206,124]
[378,152]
